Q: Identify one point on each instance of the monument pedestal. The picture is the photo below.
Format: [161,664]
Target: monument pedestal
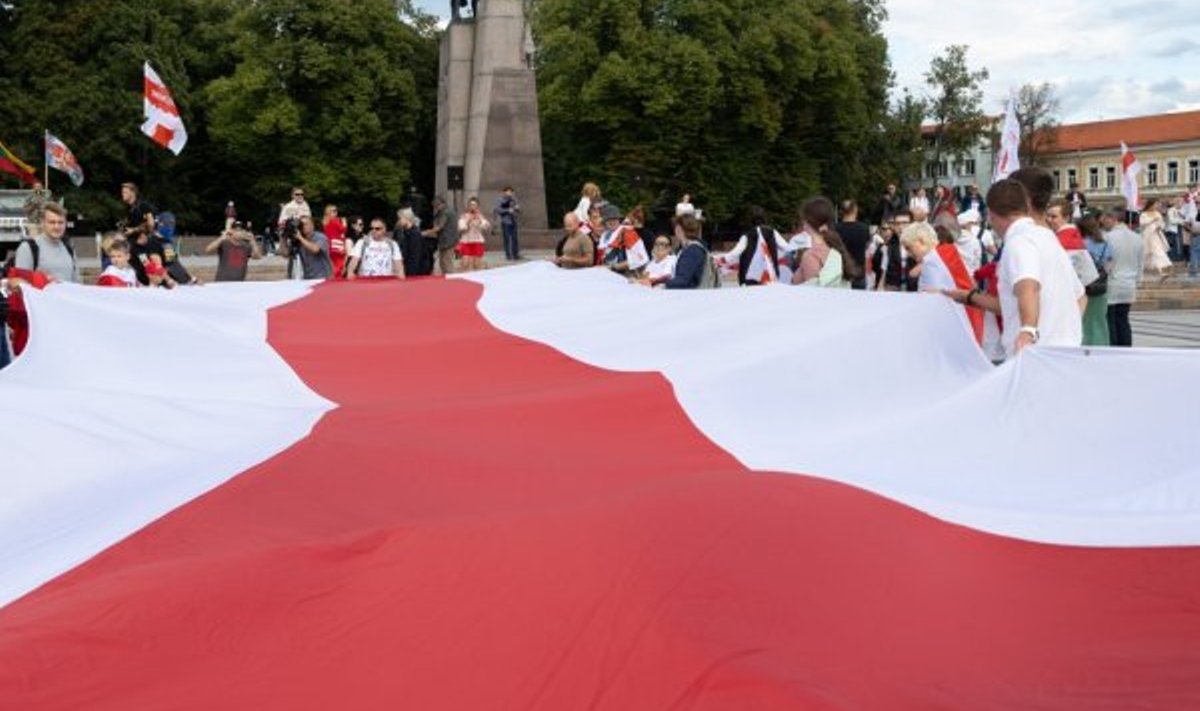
[487,112]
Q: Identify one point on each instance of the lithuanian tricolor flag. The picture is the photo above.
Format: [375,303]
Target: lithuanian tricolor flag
[10,163]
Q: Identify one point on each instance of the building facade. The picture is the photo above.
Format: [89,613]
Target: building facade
[1089,155]
[956,172]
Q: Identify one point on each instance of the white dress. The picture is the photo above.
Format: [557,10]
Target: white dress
[1154,242]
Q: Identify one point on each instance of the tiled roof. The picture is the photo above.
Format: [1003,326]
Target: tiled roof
[1135,132]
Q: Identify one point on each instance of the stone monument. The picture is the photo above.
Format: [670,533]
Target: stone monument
[488,131]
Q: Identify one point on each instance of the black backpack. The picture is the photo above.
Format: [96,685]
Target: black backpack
[11,262]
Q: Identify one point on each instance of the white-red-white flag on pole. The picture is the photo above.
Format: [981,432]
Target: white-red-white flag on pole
[1008,159]
[1130,167]
[163,124]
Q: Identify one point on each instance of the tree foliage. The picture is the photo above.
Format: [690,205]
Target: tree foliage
[1037,114]
[733,101]
[955,103]
[337,95]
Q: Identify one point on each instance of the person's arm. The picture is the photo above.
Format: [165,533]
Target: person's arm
[397,262]
[215,244]
[255,250]
[1028,293]
[732,256]
[974,297]
[312,245]
[355,257]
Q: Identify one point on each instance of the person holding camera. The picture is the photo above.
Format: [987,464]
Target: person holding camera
[472,228]
[304,243]
[234,248]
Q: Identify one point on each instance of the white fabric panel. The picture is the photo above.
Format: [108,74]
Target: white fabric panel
[129,403]
[888,392]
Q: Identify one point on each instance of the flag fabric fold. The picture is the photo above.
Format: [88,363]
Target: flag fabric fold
[1008,160]
[59,157]
[11,164]
[163,123]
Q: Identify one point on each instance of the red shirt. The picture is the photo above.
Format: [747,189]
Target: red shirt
[335,231]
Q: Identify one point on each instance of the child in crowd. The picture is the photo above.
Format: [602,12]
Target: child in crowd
[118,272]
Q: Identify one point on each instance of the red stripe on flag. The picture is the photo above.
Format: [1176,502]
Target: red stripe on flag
[486,523]
[7,166]
[1127,160]
[160,97]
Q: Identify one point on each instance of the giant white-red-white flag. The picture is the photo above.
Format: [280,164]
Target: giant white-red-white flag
[1130,168]
[584,497]
[163,124]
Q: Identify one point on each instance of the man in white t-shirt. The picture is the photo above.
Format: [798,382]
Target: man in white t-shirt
[1040,298]
[376,255]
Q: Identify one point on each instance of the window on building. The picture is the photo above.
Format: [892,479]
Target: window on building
[1072,178]
[968,167]
[1193,171]
[1093,178]
[1173,173]
[1057,181]
[1152,174]
[1110,177]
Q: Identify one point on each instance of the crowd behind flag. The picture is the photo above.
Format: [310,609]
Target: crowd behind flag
[11,164]
[163,124]
[59,157]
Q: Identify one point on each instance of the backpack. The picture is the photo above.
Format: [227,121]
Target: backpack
[710,275]
[11,262]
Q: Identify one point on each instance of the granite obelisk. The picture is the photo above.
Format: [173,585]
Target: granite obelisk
[488,130]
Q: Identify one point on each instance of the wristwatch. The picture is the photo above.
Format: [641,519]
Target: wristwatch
[1032,331]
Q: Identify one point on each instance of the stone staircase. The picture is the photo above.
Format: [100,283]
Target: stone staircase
[1177,293]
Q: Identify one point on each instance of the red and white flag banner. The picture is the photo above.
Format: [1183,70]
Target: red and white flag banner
[163,123]
[581,497]
[1130,168]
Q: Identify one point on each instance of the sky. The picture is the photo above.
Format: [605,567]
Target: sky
[1106,59]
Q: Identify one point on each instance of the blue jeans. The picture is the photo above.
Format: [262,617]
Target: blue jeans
[1194,258]
[1175,244]
[511,250]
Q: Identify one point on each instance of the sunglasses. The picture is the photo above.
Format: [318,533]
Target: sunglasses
[662,244]
[376,228]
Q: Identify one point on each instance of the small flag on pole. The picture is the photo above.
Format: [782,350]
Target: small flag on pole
[11,164]
[1008,160]
[1130,167]
[163,124]
[59,157]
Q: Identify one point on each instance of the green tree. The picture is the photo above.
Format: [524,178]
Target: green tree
[733,101]
[955,103]
[324,93]
[336,94]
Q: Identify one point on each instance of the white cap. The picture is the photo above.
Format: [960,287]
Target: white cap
[969,217]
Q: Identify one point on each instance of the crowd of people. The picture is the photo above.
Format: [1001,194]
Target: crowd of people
[1026,266]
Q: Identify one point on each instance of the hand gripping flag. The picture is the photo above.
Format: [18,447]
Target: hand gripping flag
[11,164]
[163,124]
[59,157]
[1130,167]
